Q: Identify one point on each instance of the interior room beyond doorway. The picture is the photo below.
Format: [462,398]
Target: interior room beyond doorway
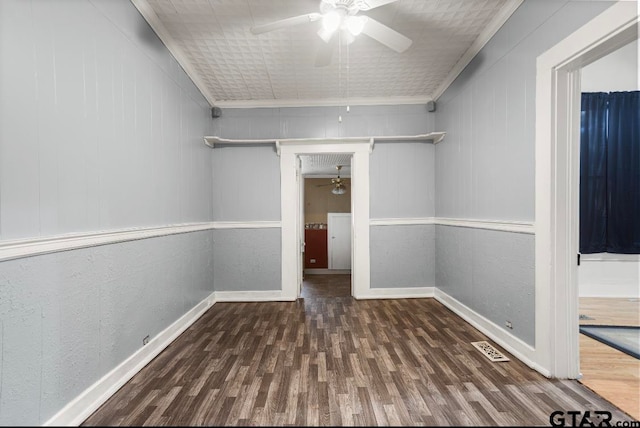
[327,213]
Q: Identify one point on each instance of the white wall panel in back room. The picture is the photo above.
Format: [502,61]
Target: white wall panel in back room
[100,128]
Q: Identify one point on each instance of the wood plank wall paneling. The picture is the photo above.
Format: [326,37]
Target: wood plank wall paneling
[338,361]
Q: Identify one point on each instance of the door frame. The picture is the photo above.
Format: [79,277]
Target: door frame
[293,223]
[329,241]
[557,182]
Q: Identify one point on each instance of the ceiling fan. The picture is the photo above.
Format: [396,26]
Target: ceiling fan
[341,17]
[338,183]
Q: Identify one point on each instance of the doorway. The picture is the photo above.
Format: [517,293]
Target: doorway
[291,213]
[557,178]
[326,211]
[326,197]
[608,283]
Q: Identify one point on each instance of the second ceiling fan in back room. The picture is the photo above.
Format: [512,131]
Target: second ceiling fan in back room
[338,183]
[340,18]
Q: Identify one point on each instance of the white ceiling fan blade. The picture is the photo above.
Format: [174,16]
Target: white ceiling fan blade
[385,35]
[371,4]
[287,22]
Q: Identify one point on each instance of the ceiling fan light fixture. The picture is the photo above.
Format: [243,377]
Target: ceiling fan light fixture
[331,21]
[355,24]
[325,35]
[339,190]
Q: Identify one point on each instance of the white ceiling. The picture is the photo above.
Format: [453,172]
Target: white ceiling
[324,164]
[233,67]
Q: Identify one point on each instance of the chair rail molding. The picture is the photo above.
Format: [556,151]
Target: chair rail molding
[28,247]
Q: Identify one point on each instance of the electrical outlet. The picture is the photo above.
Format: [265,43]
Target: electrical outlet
[145,340]
[509,325]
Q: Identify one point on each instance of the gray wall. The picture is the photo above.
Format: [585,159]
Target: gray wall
[69,318]
[321,122]
[248,260]
[246,183]
[100,129]
[402,180]
[247,186]
[485,167]
[402,256]
[491,272]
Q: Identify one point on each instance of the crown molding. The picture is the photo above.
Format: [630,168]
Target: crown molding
[324,102]
[490,30]
[161,31]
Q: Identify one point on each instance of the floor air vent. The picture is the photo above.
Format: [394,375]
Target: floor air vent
[489,351]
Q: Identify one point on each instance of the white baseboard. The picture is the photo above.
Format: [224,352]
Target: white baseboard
[519,349]
[81,407]
[397,293]
[251,296]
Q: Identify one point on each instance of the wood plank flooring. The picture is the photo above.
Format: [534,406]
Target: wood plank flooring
[328,359]
[607,371]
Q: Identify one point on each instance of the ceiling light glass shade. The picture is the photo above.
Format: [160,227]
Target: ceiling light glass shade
[339,190]
[331,21]
[355,24]
[325,35]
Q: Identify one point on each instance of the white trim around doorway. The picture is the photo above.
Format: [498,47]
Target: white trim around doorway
[360,149]
[557,185]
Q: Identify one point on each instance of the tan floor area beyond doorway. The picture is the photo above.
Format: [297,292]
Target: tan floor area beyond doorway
[607,371]
[338,361]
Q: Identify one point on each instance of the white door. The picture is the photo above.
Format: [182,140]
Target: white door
[339,240]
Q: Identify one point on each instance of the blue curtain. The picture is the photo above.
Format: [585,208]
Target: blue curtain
[610,173]
[623,173]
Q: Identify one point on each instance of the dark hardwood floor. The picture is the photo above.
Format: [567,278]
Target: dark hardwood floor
[328,359]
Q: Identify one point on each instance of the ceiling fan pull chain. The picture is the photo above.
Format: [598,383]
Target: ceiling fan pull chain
[348,78]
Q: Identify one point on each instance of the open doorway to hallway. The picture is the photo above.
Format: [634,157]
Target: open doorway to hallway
[327,221]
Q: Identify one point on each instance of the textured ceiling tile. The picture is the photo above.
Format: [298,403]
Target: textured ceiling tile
[326,163]
[236,65]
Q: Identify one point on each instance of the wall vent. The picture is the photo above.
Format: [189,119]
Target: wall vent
[489,351]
